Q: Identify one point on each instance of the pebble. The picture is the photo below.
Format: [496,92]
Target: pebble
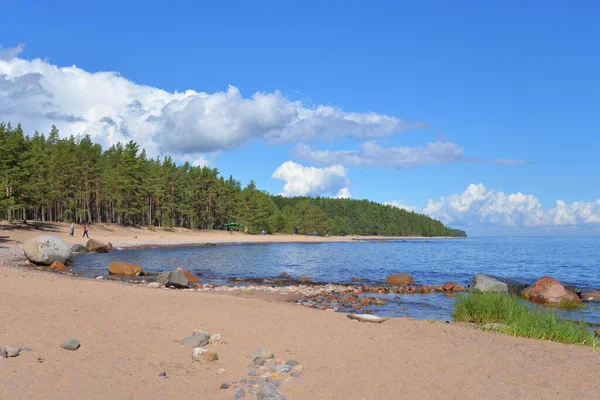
[220,371]
[292,363]
[204,356]
[298,369]
[259,361]
[262,352]
[269,391]
[197,340]
[99,277]
[162,374]
[224,386]
[71,344]
[216,338]
[154,285]
[239,394]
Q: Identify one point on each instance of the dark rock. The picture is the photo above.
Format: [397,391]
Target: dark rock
[572,288]
[549,290]
[224,386]
[71,344]
[96,246]
[285,275]
[239,394]
[162,374]
[399,279]
[487,283]
[78,249]
[590,295]
[45,249]
[197,340]
[175,278]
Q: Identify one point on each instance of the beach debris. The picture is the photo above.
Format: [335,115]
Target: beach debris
[79,249]
[71,344]
[239,394]
[96,246]
[175,278]
[589,295]
[367,318]
[204,356]
[124,269]
[399,279]
[45,249]
[262,352]
[196,340]
[8,351]
[549,290]
[486,283]
[224,386]
[57,266]
[154,285]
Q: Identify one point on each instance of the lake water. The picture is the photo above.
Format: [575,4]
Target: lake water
[429,261]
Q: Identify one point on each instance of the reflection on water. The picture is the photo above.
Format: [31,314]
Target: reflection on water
[431,262]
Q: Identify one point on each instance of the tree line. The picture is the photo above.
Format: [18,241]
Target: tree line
[48,178]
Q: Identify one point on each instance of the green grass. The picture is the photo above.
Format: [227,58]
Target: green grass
[520,320]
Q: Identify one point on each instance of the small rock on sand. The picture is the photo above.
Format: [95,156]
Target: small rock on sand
[7,351]
[367,318]
[199,331]
[268,391]
[220,371]
[216,338]
[262,352]
[198,340]
[154,285]
[71,344]
[239,394]
[204,356]
[224,386]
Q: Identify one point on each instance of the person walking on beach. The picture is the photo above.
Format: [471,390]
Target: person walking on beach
[72,229]
[85,231]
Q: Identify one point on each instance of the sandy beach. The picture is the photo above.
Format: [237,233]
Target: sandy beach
[129,334]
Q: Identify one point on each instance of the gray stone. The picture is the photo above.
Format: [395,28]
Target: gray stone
[78,249]
[292,363]
[71,344]
[175,278]
[259,361]
[154,285]
[239,394]
[45,249]
[282,368]
[7,351]
[204,356]
[199,340]
[262,352]
[224,386]
[486,283]
[269,391]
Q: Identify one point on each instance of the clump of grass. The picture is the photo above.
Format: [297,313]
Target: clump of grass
[519,319]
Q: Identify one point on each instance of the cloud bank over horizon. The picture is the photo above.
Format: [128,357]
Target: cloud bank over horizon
[311,181]
[478,206]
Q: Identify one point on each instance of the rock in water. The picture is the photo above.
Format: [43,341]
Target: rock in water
[78,249]
[589,295]
[198,340]
[174,278]
[367,318]
[486,283]
[124,269]
[262,352]
[268,391]
[45,249]
[71,344]
[96,246]
[399,279]
[549,290]
[204,356]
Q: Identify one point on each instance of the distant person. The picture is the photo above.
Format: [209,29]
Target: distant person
[85,231]
[72,229]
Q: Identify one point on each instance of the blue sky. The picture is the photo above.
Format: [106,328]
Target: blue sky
[487,81]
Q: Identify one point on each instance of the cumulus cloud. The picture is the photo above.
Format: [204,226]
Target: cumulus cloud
[401,204]
[310,181]
[482,207]
[372,154]
[111,108]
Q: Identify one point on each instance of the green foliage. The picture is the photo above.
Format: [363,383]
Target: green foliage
[518,319]
[72,179]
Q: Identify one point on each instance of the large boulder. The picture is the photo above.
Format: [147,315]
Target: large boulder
[549,290]
[175,278]
[590,295]
[124,269]
[96,246]
[45,249]
[399,279]
[486,283]
[78,249]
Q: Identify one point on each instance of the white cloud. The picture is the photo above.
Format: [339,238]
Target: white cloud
[482,207]
[111,108]
[310,181]
[401,204]
[372,154]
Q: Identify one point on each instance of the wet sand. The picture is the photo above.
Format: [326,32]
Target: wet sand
[129,334]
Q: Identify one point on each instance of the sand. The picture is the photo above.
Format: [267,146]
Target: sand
[129,334]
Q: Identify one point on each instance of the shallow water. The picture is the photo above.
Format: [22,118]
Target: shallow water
[429,261]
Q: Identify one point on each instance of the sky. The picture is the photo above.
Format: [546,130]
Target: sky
[484,115]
